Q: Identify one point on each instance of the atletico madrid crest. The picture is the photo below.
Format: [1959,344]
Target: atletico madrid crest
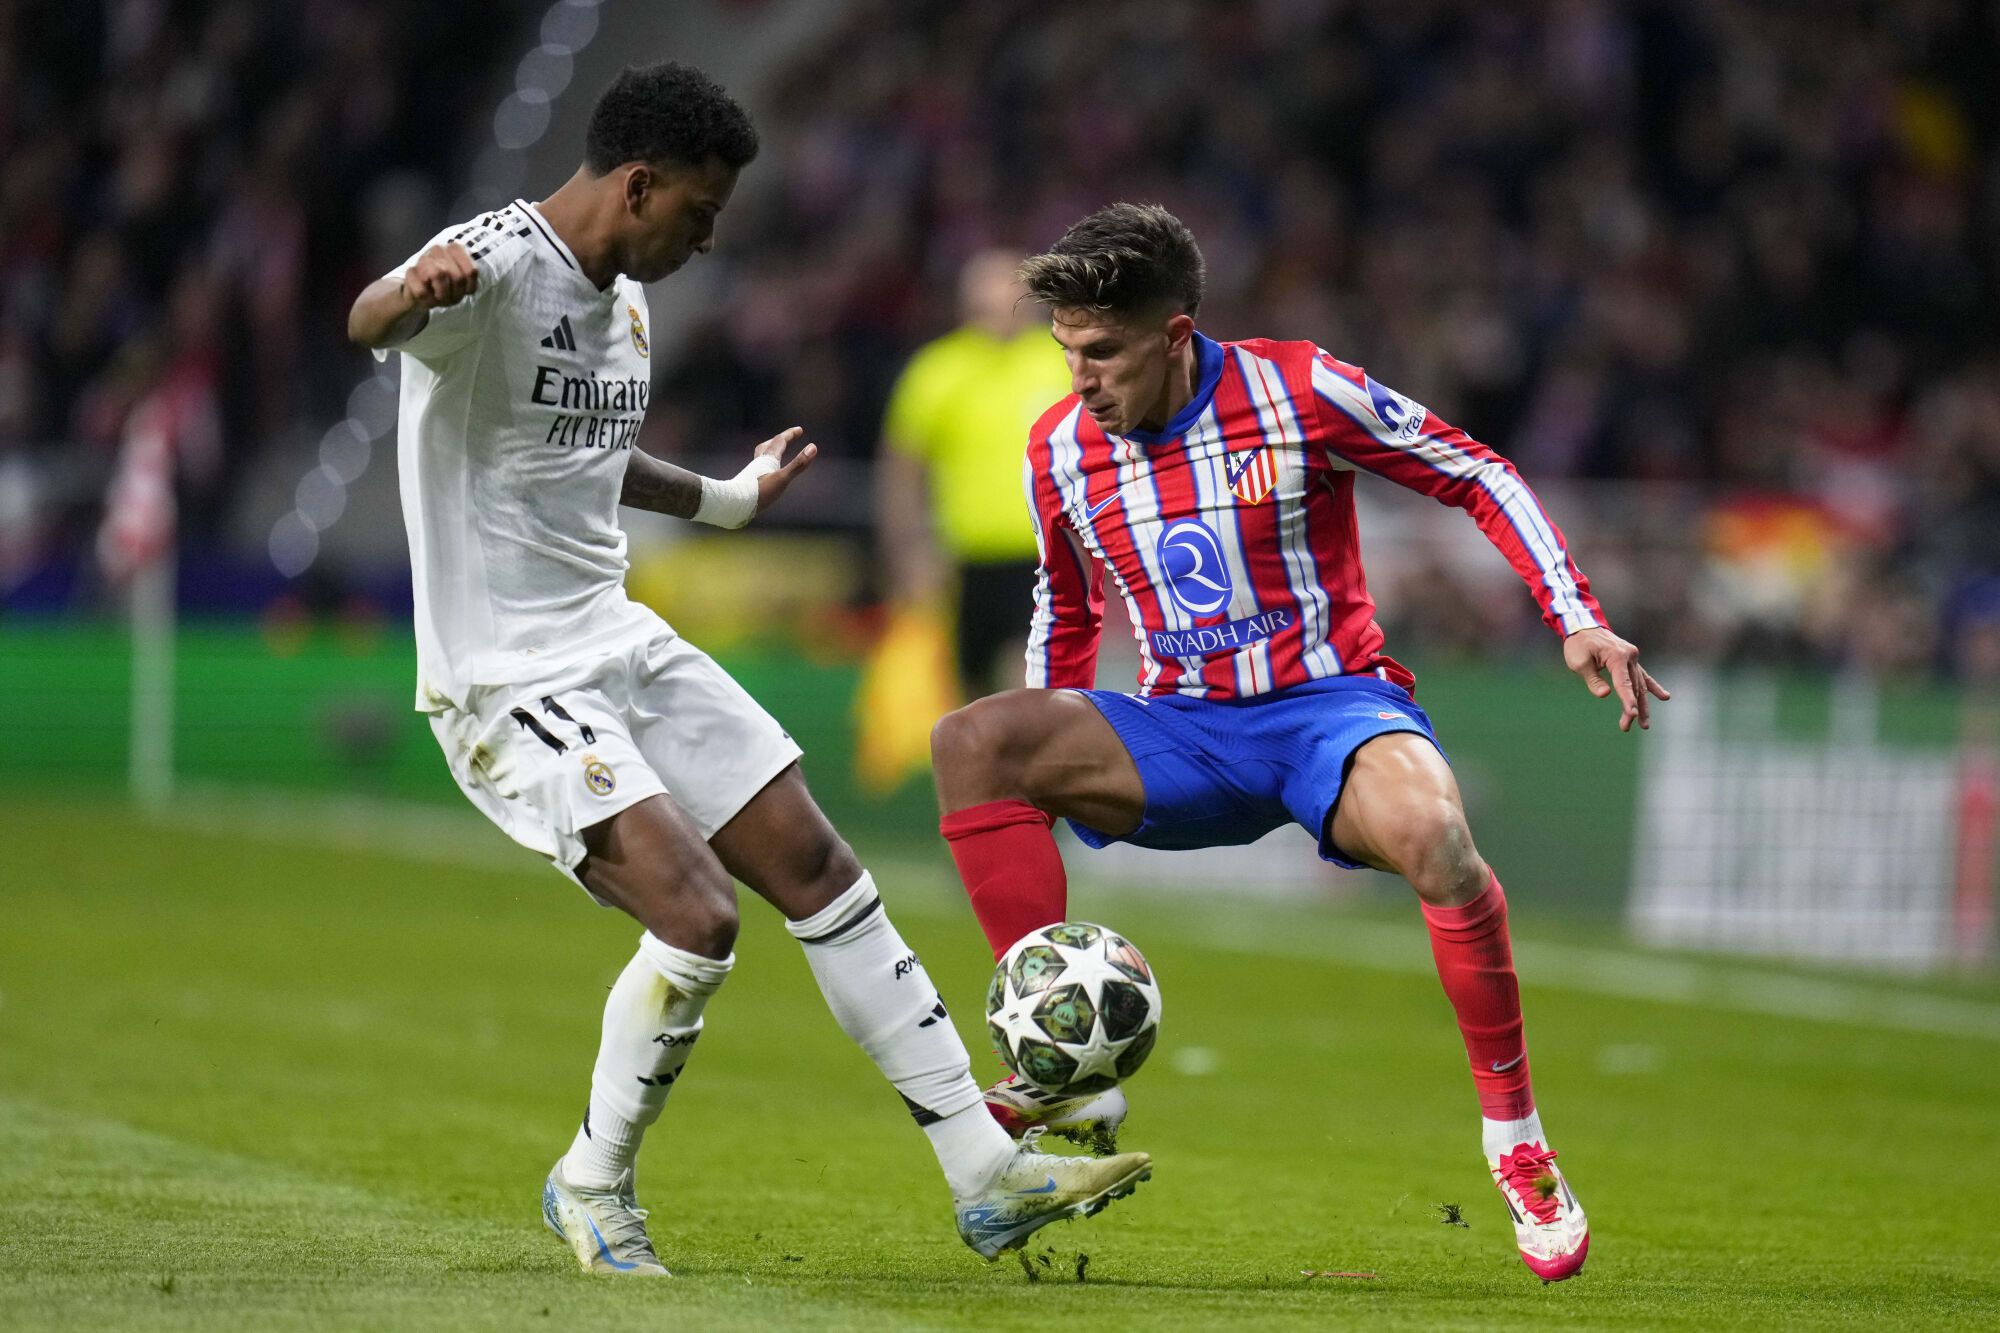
[1252,474]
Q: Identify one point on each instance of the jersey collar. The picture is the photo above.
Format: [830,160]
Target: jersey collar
[1207,374]
[541,224]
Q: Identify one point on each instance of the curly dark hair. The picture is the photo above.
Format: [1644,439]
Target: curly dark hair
[1123,259]
[667,113]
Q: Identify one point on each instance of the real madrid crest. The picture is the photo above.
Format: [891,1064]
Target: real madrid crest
[638,331]
[597,776]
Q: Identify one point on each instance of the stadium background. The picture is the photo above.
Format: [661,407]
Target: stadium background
[1719,277]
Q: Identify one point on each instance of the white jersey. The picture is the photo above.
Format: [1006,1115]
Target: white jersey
[519,407]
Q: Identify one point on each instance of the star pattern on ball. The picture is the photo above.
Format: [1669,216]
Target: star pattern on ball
[1098,1055]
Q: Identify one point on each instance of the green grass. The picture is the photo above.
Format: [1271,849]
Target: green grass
[258,1084]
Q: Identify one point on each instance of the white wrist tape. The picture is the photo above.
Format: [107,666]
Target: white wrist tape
[732,503]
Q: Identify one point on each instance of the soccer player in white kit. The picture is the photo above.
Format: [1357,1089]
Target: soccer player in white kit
[579,722]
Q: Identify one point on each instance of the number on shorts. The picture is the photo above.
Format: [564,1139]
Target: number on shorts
[547,737]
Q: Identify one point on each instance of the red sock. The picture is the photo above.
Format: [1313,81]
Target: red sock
[1011,868]
[1476,964]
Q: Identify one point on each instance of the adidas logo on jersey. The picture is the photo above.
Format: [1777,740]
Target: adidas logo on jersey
[561,337]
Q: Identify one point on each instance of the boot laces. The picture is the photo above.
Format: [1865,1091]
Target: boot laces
[1529,1171]
[624,1224]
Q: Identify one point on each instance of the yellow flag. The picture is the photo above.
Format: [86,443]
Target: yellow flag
[907,684]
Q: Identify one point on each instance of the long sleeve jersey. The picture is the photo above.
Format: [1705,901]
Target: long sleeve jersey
[1230,533]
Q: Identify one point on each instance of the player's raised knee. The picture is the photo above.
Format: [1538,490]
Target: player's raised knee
[968,746]
[952,737]
[1433,848]
[988,750]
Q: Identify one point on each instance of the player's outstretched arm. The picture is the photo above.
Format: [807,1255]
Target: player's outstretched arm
[651,483]
[1597,652]
[391,311]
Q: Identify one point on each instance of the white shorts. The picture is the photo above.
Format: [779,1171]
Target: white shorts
[653,714]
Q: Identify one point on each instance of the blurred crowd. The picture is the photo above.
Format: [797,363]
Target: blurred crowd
[1721,274]
[1736,261]
[189,192]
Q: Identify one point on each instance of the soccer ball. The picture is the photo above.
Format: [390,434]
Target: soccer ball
[1073,1009]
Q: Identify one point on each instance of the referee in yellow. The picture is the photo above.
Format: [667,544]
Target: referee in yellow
[953,524]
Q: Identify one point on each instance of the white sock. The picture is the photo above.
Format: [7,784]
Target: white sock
[883,999]
[651,1022]
[1503,1136]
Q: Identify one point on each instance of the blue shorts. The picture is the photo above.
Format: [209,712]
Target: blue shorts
[1219,773]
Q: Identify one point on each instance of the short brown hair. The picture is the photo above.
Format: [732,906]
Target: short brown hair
[1122,259]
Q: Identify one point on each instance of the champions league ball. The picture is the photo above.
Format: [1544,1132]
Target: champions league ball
[1073,1009]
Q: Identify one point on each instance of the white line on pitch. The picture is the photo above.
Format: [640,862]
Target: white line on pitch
[409,830]
[1632,974]
[418,832]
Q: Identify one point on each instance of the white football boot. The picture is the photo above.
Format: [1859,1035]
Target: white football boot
[1549,1225]
[606,1229]
[1091,1121]
[1038,1188]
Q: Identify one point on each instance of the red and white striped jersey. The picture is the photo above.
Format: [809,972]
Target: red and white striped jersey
[1231,535]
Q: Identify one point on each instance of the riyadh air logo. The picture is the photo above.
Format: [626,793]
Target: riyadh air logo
[1404,419]
[1191,556]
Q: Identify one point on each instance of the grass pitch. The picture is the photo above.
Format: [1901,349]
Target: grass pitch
[267,1083]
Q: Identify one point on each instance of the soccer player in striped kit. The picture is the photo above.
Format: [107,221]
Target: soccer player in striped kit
[1214,481]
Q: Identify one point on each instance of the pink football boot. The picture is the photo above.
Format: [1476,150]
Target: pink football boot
[1549,1224]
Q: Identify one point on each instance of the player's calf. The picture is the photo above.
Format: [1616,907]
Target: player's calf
[883,999]
[1401,811]
[652,1019]
[875,985]
[1011,868]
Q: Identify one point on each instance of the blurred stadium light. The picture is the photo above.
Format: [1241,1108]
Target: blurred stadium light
[519,122]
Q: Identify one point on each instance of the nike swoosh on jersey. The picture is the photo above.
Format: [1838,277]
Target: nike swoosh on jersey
[1101,505]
